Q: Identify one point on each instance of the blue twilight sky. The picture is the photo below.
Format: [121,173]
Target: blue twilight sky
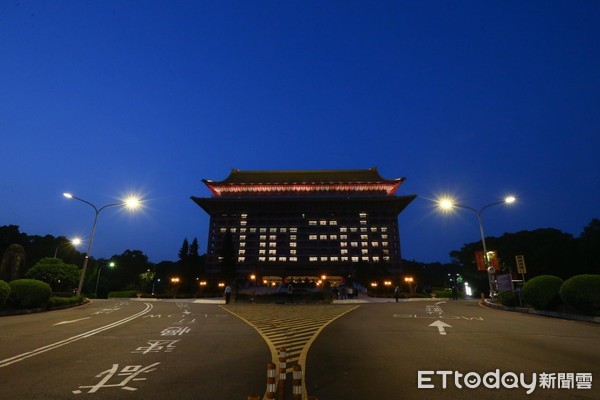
[475,98]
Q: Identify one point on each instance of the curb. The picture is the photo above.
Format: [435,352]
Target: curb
[550,314]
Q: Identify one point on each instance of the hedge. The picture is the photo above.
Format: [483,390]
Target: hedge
[4,292]
[29,293]
[582,293]
[542,292]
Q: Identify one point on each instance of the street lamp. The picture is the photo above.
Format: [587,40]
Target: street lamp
[73,242]
[448,204]
[131,203]
[110,264]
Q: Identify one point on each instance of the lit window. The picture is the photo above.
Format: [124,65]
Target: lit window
[272,258]
[312,223]
[242,244]
[344,258]
[263,237]
[385,244]
[376,259]
[375,244]
[343,244]
[334,259]
[312,237]
[363,229]
[386,258]
[344,237]
[243,223]
[365,258]
[272,237]
[244,215]
[386,251]
[323,237]
[282,258]
[293,252]
[364,237]
[354,259]
[322,222]
[333,222]
[363,222]
[354,244]
[242,237]
[272,252]
[223,230]
[344,251]
[294,259]
[353,229]
[364,251]
[292,244]
[262,259]
[294,230]
[262,252]
[363,215]
[343,229]
[273,230]
[243,230]
[272,244]
[241,251]
[252,230]
[241,259]
[263,230]
[292,237]
[284,230]
[312,258]
[323,258]
[383,229]
[262,244]
[233,230]
[373,229]
[364,244]
[333,237]
[384,236]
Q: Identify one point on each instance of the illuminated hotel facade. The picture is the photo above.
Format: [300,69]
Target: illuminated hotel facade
[288,225]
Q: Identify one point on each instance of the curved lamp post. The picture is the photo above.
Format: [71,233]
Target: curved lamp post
[73,242]
[110,264]
[447,204]
[131,203]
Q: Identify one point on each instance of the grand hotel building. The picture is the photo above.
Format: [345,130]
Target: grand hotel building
[304,224]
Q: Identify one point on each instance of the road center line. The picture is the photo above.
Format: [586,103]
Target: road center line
[8,361]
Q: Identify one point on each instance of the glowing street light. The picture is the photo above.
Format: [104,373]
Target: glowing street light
[73,242]
[131,203]
[448,204]
[110,264]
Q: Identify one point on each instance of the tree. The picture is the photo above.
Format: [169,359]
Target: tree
[129,266]
[589,243]
[60,276]
[184,252]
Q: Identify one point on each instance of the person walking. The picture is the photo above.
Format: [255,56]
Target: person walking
[227,294]
[396,293]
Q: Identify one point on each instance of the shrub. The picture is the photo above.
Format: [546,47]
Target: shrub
[58,302]
[508,299]
[582,293]
[29,293]
[542,292]
[127,294]
[4,292]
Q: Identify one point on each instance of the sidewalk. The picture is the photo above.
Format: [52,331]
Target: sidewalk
[551,314]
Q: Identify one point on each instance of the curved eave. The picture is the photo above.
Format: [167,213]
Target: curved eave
[226,189]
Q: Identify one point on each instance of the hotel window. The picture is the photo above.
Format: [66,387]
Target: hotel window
[252,230]
[272,258]
[364,237]
[312,258]
[293,258]
[323,237]
[243,230]
[333,222]
[375,244]
[334,259]
[262,244]
[263,237]
[272,244]
[373,229]
[343,229]
[293,252]
[384,236]
[312,223]
[354,244]
[241,259]
[242,244]
[376,259]
[363,215]
[282,258]
[243,223]
[223,230]
[292,244]
[333,237]
[365,258]
[354,259]
[294,230]
[233,230]
[363,222]
[323,258]
[272,237]
[244,215]
[312,237]
[344,237]
[383,229]
[272,252]
[363,229]
[283,230]
[386,251]
[344,258]
[343,244]
[262,252]
[386,258]
[322,222]
[385,244]
[364,251]
[263,230]
[292,237]
[273,230]
[353,229]
[241,251]
[344,251]
[364,244]
[262,259]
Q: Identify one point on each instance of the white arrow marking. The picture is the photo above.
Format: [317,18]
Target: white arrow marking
[441,325]
[70,322]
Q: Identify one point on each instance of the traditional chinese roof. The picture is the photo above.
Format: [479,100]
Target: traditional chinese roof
[253,183]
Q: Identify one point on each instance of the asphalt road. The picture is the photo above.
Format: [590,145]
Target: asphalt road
[112,349]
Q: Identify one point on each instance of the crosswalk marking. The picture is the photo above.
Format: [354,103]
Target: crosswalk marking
[294,327]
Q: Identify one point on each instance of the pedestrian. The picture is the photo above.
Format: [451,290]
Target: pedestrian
[454,292]
[396,293]
[227,294]
[290,293]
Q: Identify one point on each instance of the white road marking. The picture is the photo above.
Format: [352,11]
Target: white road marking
[70,322]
